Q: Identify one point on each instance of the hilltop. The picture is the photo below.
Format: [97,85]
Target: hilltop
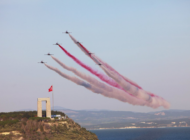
[26,126]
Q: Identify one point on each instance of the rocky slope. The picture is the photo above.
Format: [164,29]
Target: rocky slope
[25,126]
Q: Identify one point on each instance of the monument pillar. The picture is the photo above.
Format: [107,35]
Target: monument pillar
[48,108]
[39,108]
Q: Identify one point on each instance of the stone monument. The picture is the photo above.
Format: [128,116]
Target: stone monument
[48,107]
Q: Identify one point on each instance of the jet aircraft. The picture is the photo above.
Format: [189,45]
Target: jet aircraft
[56,44]
[78,42]
[42,62]
[48,54]
[67,32]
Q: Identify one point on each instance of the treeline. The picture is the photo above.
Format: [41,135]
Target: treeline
[24,115]
[7,122]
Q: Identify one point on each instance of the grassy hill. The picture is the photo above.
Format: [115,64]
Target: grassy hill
[26,126]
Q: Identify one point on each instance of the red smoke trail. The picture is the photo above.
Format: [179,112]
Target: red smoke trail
[132,83]
[103,77]
[99,61]
[112,69]
[107,91]
[109,67]
[85,49]
[116,93]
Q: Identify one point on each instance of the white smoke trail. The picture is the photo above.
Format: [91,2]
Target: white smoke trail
[109,91]
[122,96]
[88,78]
[95,58]
[129,88]
[124,79]
[128,85]
[140,93]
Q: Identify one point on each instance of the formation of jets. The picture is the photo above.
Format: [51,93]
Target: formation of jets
[58,44]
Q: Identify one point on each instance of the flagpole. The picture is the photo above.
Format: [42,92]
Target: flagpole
[52,99]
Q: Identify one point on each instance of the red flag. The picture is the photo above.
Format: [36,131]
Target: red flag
[51,89]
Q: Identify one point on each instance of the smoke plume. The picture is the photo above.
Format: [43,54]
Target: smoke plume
[122,96]
[95,58]
[101,76]
[113,93]
[126,84]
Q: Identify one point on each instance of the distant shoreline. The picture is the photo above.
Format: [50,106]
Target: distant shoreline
[137,128]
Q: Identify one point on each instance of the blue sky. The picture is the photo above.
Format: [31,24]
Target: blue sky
[146,41]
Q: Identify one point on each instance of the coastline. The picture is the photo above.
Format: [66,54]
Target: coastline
[135,128]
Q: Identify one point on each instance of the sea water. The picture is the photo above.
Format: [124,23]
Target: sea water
[180,133]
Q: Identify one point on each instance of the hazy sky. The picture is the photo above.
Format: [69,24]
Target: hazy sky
[146,41]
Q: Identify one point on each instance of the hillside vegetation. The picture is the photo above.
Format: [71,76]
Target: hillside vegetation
[26,126]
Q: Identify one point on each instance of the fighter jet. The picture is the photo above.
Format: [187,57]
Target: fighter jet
[67,32]
[99,64]
[78,42]
[90,53]
[42,62]
[48,54]
[56,44]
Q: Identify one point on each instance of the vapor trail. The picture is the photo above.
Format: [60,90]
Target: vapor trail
[115,93]
[101,76]
[94,58]
[99,61]
[123,77]
[129,88]
[139,93]
[86,77]
[128,85]
[120,96]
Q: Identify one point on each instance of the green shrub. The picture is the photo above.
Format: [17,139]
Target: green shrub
[38,118]
[8,122]
[24,114]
